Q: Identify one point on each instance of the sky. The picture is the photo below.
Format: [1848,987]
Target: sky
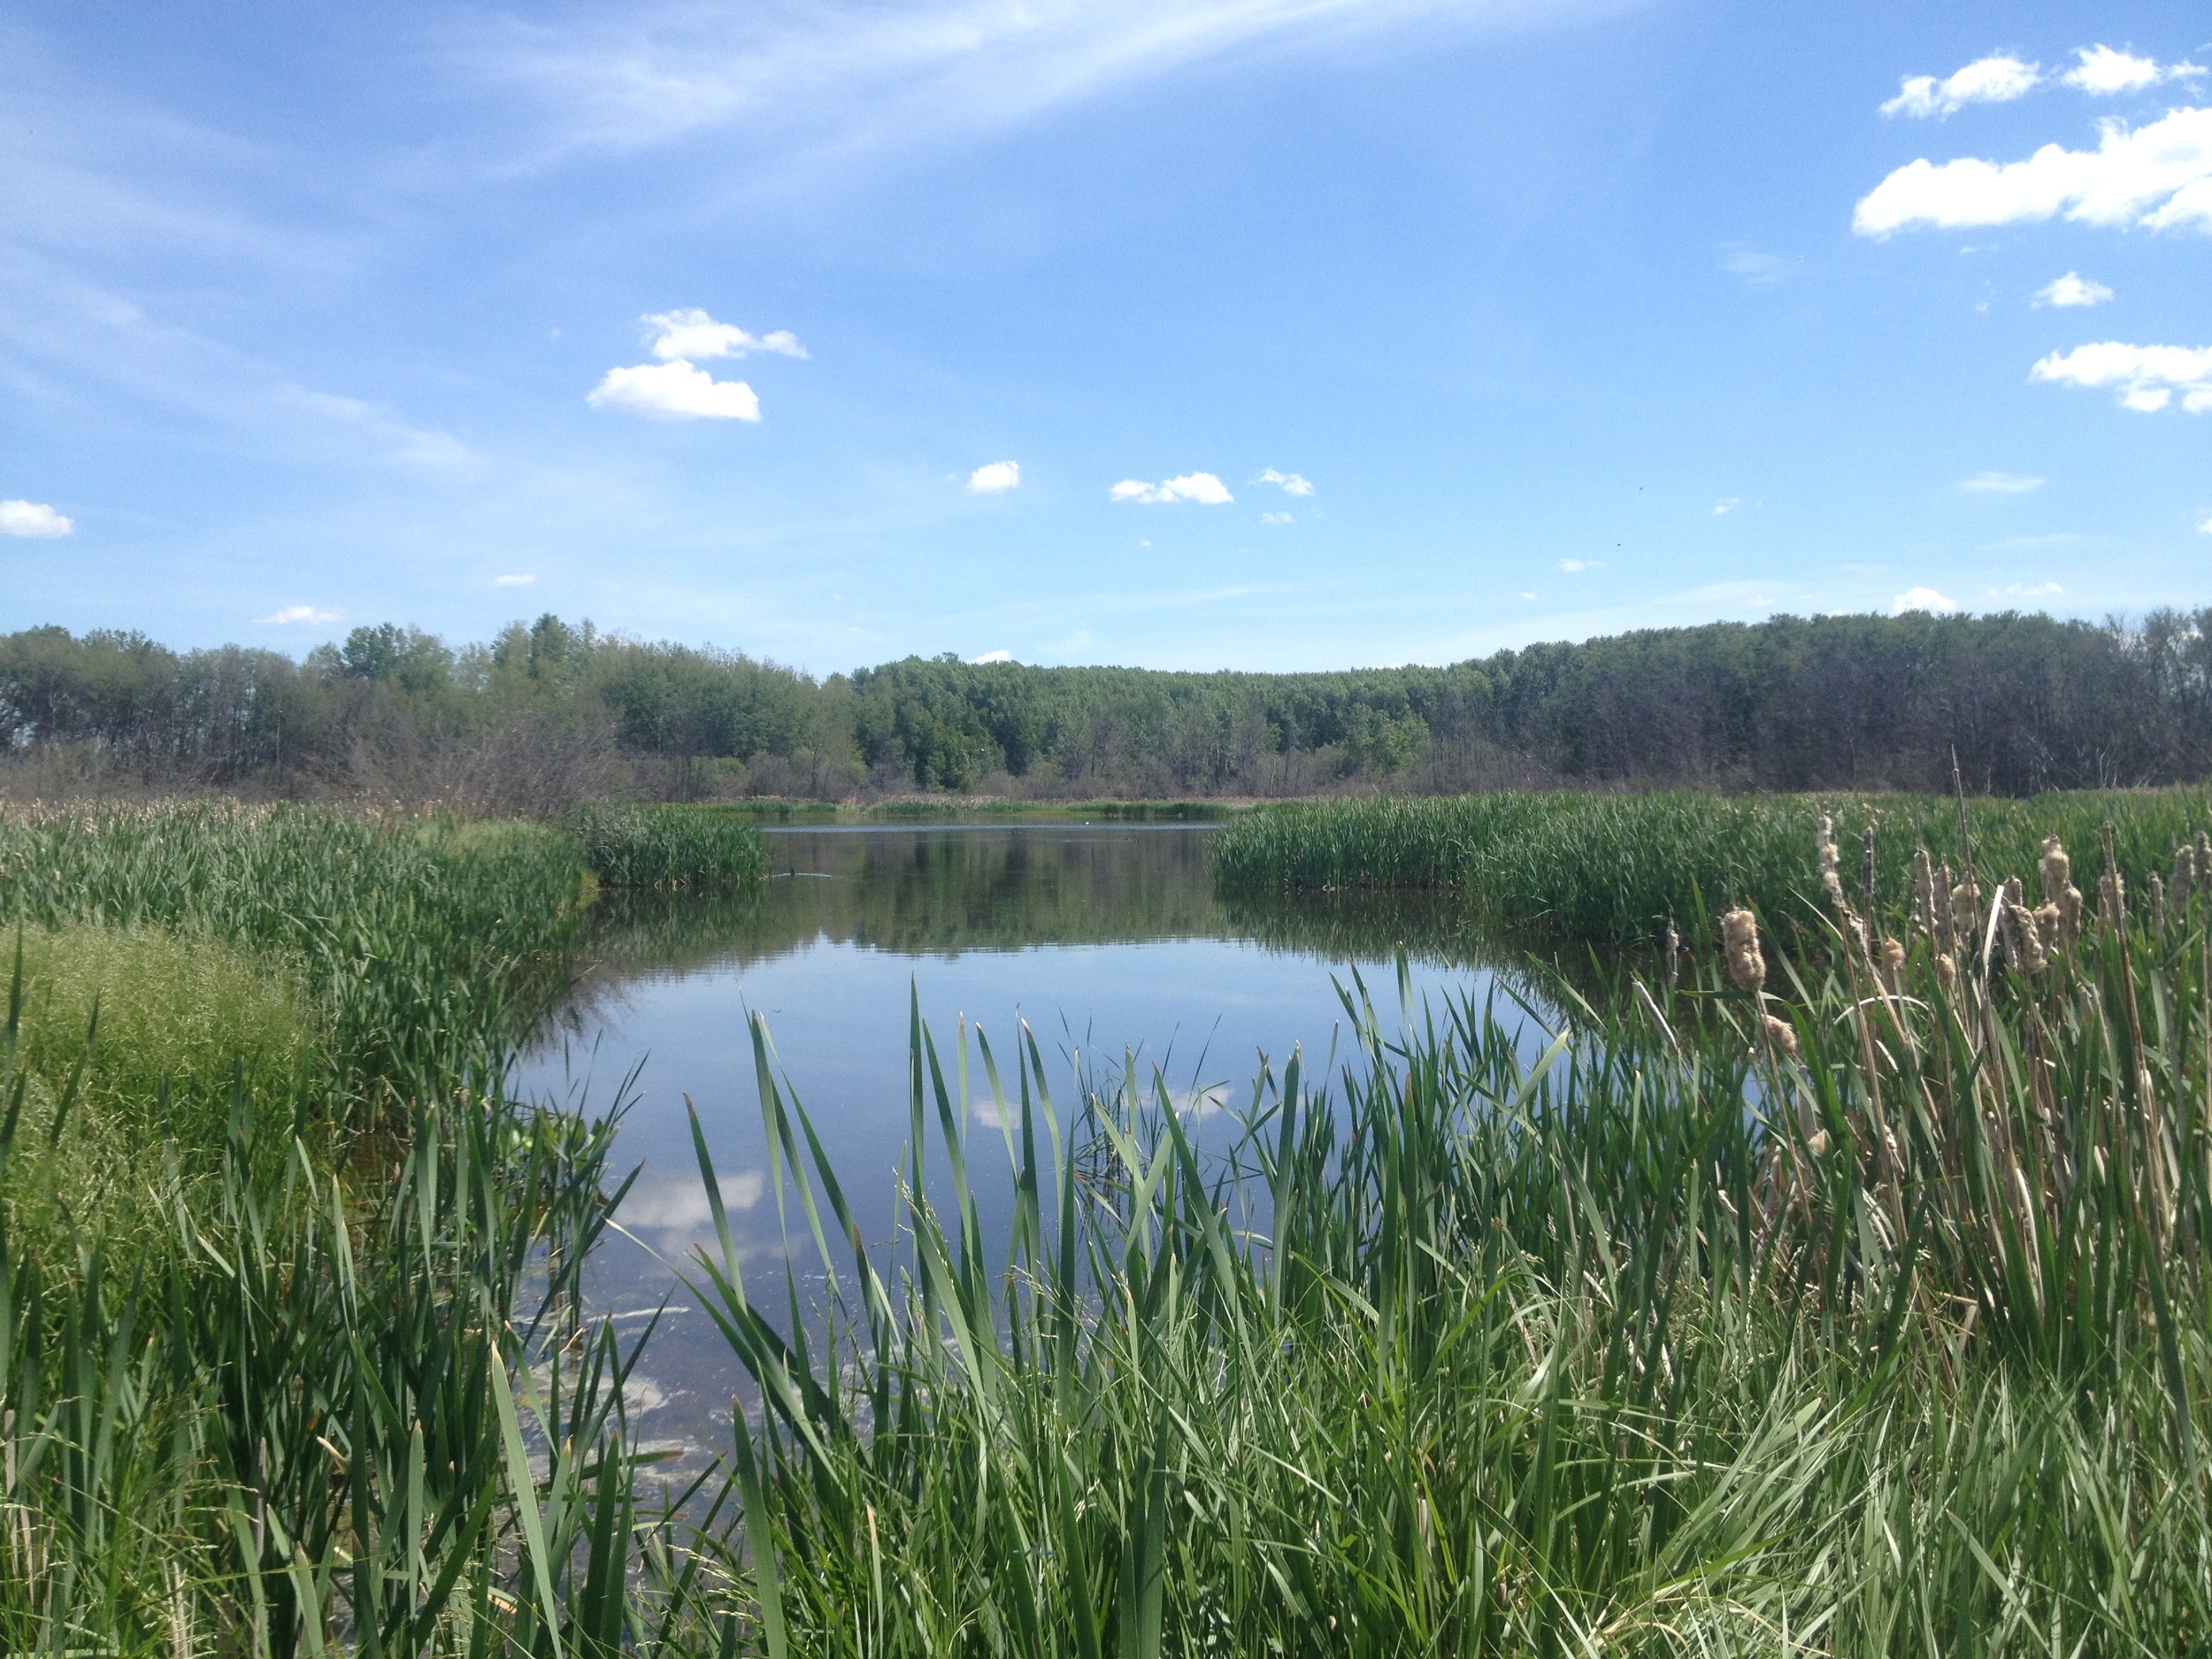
[1186,333]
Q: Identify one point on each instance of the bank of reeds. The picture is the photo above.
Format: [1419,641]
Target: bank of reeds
[628,845]
[1615,869]
[1863,1316]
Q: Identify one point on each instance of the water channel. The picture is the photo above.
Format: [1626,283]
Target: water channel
[1108,939]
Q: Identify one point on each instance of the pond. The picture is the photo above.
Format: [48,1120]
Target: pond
[1108,940]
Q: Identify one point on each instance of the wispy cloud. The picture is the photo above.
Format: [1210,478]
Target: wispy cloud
[1997,79]
[675,390]
[519,581]
[2105,72]
[32,519]
[2144,378]
[1292,483]
[1275,518]
[2027,590]
[866,78]
[2072,290]
[995,478]
[695,335]
[300,613]
[2206,526]
[1726,504]
[2002,484]
[1921,599]
[994,657]
[1575,566]
[1202,488]
[2158,176]
[1755,269]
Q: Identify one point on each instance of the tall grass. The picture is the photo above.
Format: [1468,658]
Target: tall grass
[630,845]
[1615,869]
[1861,1316]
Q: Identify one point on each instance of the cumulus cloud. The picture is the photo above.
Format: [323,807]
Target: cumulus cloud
[1920,599]
[1293,485]
[1727,503]
[513,581]
[32,517]
[693,334]
[1274,518]
[2000,484]
[2158,176]
[301,613]
[2144,377]
[1202,488]
[674,390]
[1997,79]
[2105,72]
[2072,289]
[994,657]
[995,478]
[1572,565]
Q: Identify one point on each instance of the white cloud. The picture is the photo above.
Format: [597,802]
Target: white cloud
[1917,599]
[994,478]
[301,613]
[1202,488]
[2000,484]
[693,334]
[2070,290]
[1275,518]
[674,391]
[513,581]
[1572,565]
[994,657]
[2158,176]
[32,517]
[1997,79]
[2023,590]
[1727,503]
[1293,485]
[1528,595]
[2105,72]
[2206,526]
[2145,378]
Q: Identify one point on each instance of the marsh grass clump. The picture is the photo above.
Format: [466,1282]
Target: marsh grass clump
[630,845]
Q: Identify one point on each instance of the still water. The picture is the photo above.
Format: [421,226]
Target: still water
[1107,939]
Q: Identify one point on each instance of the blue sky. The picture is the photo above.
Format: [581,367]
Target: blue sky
[1262,333]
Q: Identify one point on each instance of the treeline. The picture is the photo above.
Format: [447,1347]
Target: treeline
[552,712]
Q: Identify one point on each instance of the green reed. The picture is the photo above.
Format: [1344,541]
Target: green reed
[1863,1315]
[1615,869]
[632,845]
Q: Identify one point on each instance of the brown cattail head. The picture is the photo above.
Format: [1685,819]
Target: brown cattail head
[1671,951]
[1783,1035]
[2023,938]
[1946,969]
[1831,879]
[1739,943]
[2046,925]
[2185,878]
[1966,916]
[2058,869]
[2204,859]
[1893,965]
[1923,893]
[2112,899]
[2157,889]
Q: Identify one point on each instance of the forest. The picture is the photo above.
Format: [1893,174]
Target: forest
[552,712]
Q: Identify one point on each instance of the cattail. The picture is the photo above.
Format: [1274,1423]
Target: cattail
[1966,915]
[2059,889]
[1671,952]
[1740,942]
[1783,1035]
[2047,925]
[1924,892]
[2112,899]
[2186,876]
[1946,969]
[1831,881]
[2204,859]
[2023,939]
[1893,965]
[2158,900]
[1866,869]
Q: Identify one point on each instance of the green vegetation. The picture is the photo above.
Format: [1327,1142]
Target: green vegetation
[628,845]
[1862,1317]
[549,715]
[1615,869]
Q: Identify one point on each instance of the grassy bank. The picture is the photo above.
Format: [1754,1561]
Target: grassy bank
[1614,869]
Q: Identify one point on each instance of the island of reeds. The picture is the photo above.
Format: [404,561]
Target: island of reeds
[1830,1279]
